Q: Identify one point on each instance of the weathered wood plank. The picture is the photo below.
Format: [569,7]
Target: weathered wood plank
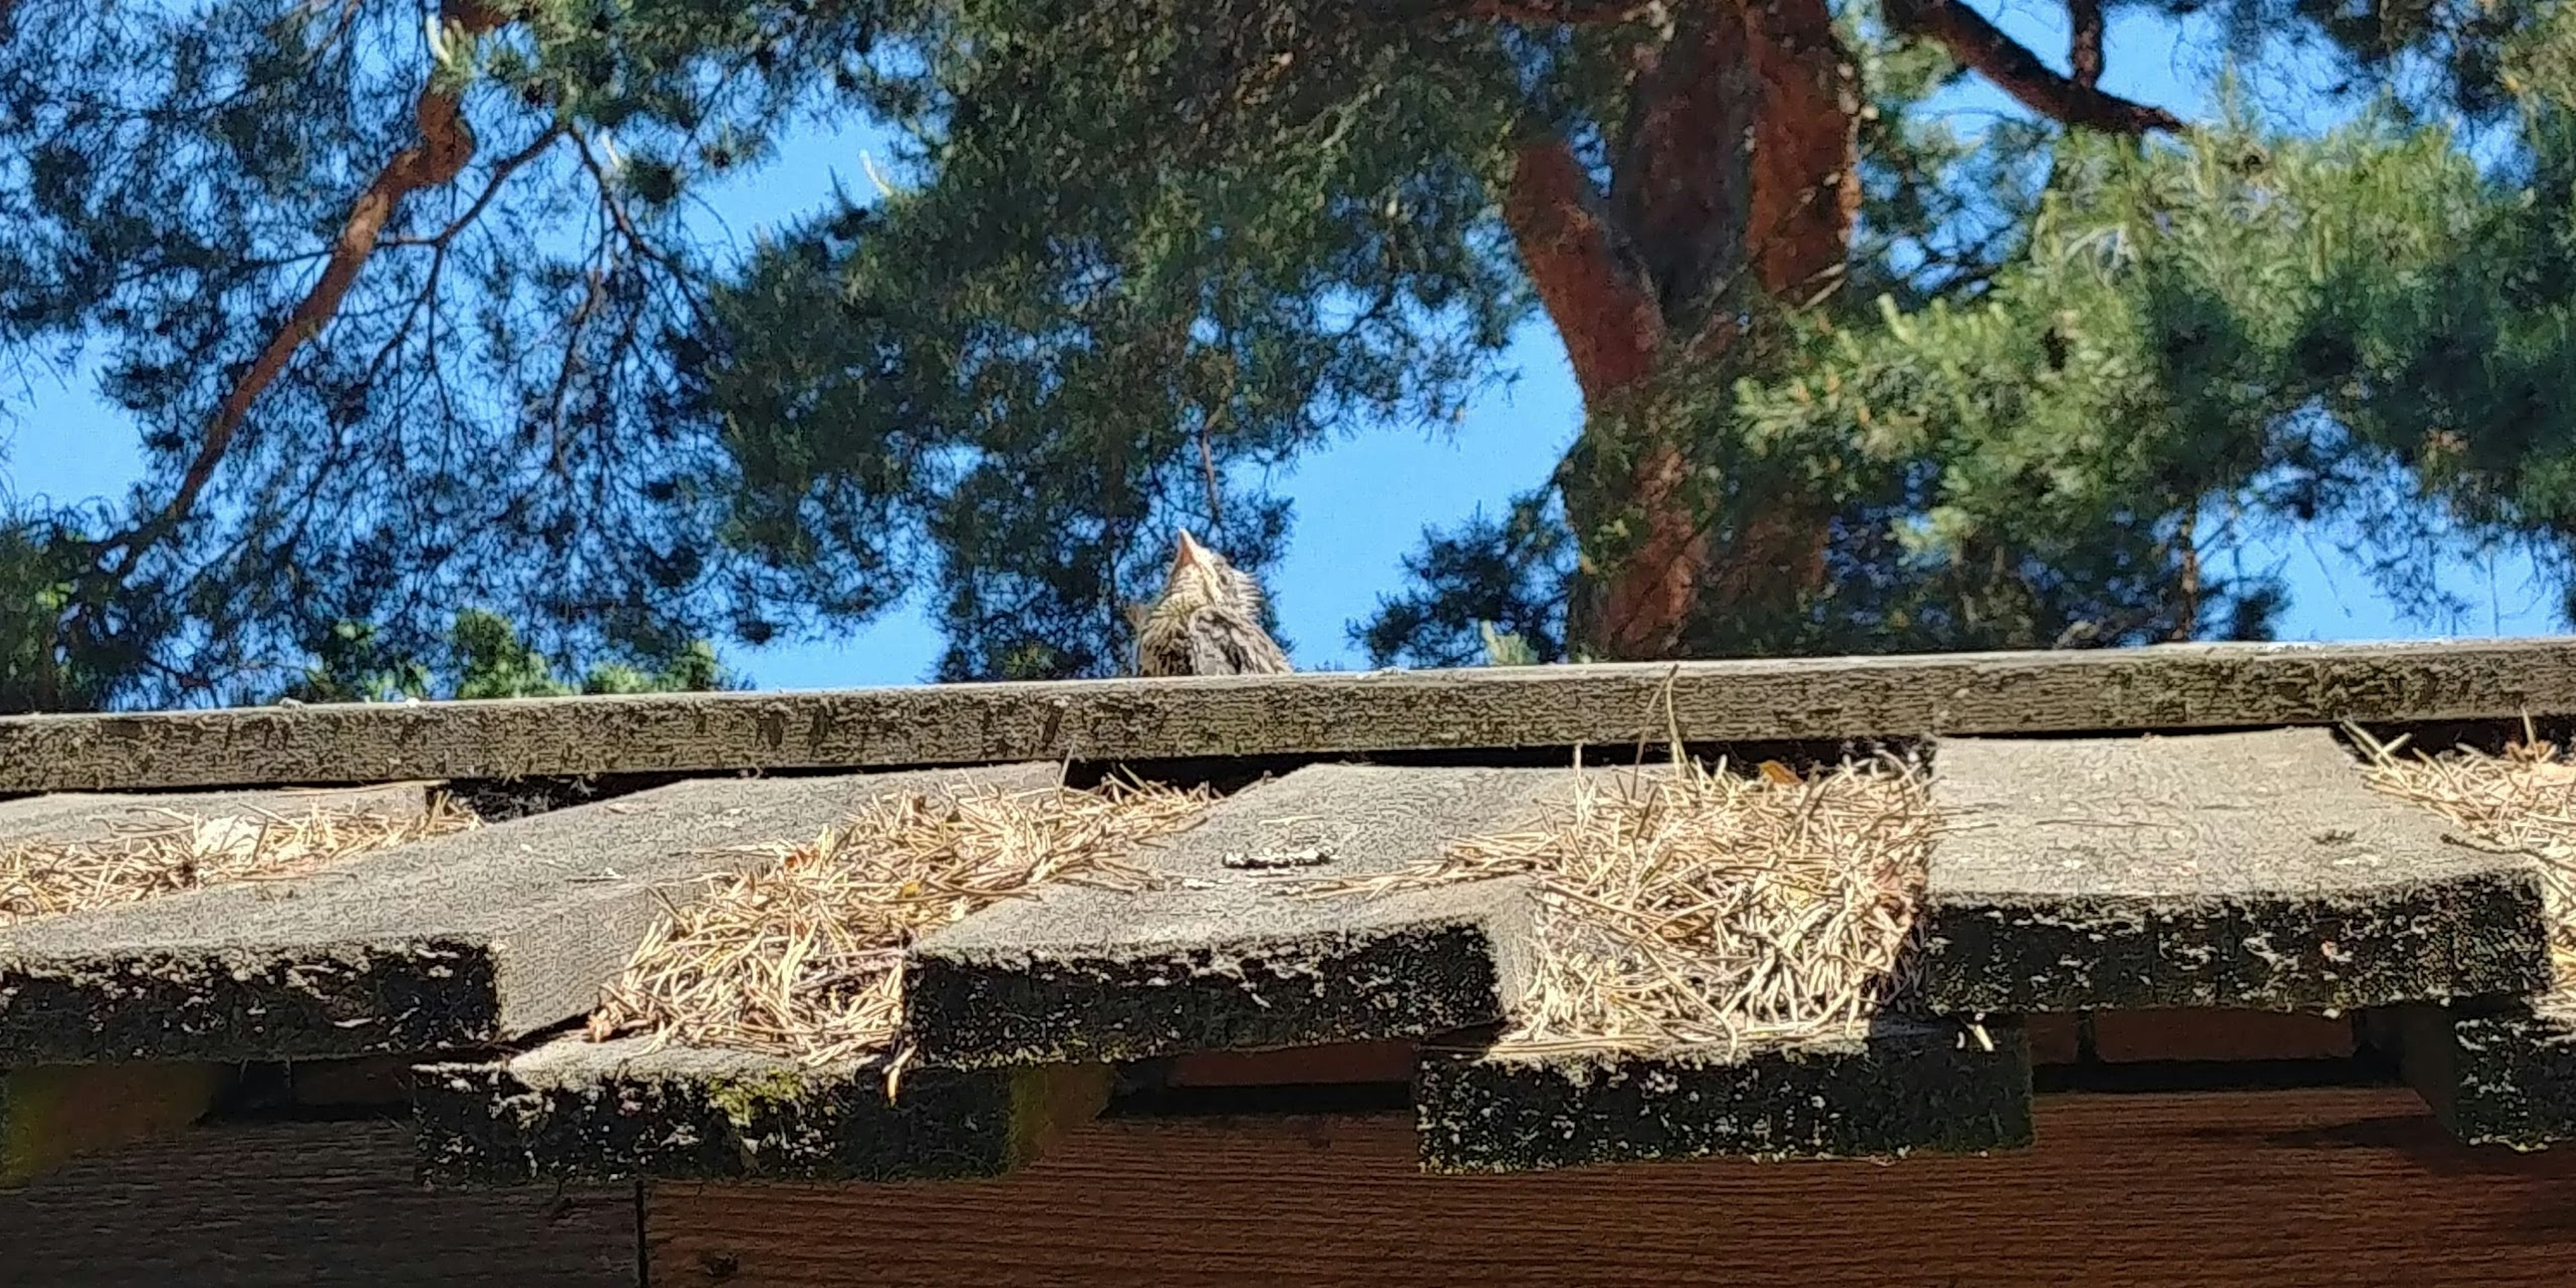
[80,817]
[2241,869]
[1218,958]
[1342,1062]
[52,1114]
[2219,1033]
[579,1110]
[1323,714]
[462,941]
[55,1113]
[1899,1088]
[292,1205]
[2506,1077]
[2338,1188]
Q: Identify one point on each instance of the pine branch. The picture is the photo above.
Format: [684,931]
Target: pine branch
[1984,48]
[2084,42]
[446,145]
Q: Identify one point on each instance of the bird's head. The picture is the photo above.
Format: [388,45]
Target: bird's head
[1207,621]
[1202,578]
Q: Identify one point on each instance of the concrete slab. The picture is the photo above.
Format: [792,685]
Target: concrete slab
[1889,1089]
[575,1110]
[2242,869]
[1218,959]
[460,941]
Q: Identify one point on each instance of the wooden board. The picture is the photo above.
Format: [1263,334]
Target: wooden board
[579,1110]
[460,941]
[85,816]
[2164,687]
[2504,1077]
[2336,1188]
[1340,1062]
[2239,869]
[292,1205]
[1218,956]
[52,1114]
[1888,1088]
[2214,1033]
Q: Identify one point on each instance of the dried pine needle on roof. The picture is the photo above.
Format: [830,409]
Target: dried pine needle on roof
[2523,801]
[1687,905]
[169,852]
[804,957]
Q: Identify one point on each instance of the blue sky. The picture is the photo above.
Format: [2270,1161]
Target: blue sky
[1362,504]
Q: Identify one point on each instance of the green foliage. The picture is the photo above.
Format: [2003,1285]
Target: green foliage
[1490,579]
[1142,258]
[490,405]
[2247,327]
[484,657]
[2191,343]
[1506,649]
[1063,345]
[43,667]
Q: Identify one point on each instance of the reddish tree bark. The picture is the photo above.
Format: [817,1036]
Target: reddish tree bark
[2084,42]
[1736,168]
[445,146]
[1599,301]
[2015,70]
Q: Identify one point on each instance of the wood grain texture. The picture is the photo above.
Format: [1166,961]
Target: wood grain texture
[2236,869]
[1884,1089]
[83,816]
[457,941]
[54,1113]
[577,1110]
[2163,687]
[1219,957]
[297,1204]
[1339,1062]
[2339,1188]
[2219,1033]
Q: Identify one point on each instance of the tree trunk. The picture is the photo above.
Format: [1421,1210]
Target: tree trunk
[1736,171]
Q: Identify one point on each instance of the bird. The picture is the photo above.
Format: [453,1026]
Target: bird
[1207,621]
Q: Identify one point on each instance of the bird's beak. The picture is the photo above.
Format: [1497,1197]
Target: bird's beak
[1191,552]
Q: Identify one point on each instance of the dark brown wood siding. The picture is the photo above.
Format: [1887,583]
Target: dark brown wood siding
[2322,1189]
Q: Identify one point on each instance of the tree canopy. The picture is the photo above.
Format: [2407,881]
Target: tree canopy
[403,305]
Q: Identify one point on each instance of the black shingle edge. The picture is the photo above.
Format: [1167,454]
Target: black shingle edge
[2498,1073]
[320,1002]
[738,1117]
[1905,1087]
[2407,941]
[1365,983]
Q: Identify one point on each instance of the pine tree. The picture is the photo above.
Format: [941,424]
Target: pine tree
[407,317]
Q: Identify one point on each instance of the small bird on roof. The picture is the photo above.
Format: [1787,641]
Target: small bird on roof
[1207,621]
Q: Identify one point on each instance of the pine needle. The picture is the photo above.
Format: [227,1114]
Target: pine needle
[804,957]
[1686,905]
[2522,802]
[172,852]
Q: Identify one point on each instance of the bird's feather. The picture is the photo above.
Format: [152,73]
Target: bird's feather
[1207,622]
[1224,642]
